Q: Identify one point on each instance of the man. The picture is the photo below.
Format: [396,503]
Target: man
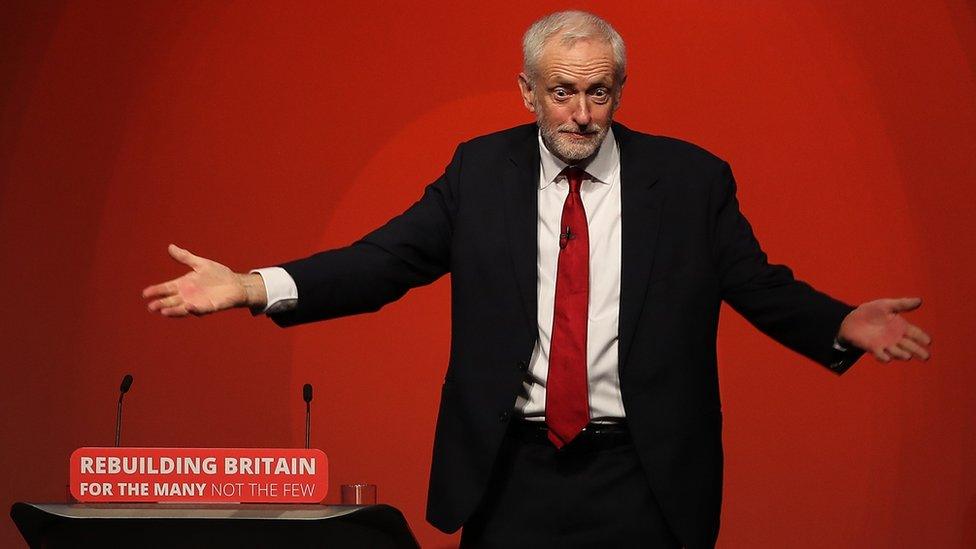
[588,263]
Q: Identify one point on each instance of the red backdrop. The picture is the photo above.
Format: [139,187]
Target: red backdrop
[257,133]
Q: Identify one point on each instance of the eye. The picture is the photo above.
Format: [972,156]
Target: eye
[561,94]
[600,95]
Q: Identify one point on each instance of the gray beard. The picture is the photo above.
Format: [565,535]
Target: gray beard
[571,153]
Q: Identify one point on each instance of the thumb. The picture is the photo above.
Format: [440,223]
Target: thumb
[905,304]
[183,256]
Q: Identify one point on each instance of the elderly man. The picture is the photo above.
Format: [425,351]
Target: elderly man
[588,261]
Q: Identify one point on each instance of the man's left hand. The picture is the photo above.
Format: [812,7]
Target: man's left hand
[879,328]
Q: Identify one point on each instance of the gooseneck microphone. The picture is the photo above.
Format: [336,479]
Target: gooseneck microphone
[123,389]
[307,395]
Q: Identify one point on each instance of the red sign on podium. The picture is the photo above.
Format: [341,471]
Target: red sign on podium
[199,475]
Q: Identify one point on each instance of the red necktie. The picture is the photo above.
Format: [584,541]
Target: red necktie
[567,405]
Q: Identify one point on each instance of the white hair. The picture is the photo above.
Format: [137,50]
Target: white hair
[571,26]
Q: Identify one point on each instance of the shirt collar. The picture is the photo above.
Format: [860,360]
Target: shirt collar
[600,168]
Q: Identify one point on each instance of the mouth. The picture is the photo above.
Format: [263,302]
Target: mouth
[579,135]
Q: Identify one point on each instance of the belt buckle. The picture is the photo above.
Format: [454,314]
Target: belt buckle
[610,433]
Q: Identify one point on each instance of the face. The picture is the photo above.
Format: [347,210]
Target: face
[573,96]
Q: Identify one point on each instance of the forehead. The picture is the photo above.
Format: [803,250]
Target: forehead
[586,60]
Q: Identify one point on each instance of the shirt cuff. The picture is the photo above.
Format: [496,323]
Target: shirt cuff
[844,356]
[281,288]
[839,347]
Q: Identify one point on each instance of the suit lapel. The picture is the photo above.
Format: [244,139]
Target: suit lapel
[521,195]
[641,206]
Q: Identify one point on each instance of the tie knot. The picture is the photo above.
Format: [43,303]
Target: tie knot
[574,176]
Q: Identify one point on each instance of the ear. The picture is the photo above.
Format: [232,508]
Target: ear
[528,93]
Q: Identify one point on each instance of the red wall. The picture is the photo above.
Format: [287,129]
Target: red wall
[258,133]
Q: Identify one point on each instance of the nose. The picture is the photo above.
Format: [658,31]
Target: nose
[581,114]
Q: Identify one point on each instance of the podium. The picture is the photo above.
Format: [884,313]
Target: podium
[53,525]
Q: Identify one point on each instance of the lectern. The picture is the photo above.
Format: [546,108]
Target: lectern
[52,525]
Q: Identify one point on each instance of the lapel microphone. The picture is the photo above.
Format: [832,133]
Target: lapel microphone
[565,237]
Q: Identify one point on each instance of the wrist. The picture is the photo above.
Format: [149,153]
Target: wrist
[255,292]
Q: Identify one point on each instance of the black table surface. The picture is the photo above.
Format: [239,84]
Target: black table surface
[210,525]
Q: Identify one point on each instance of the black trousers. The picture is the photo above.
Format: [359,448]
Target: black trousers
[590,493]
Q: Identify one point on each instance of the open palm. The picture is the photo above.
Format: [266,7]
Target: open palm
[209,287]
[879,328]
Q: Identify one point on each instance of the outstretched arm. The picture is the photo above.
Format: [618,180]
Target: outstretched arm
[878,327]
[410,250]
[794,313]
[208,288]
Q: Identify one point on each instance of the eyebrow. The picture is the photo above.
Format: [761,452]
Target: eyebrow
[567,84]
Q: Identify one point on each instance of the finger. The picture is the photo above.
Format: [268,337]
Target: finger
[194,310]
[165,289]
[174,312]
[881,355]
[915,333]
[898,352]
[184,256]
[165,303]
[905,304]
[914,348]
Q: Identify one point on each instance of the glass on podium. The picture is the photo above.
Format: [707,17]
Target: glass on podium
[358,494]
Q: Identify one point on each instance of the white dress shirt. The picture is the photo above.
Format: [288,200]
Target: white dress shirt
[600,192]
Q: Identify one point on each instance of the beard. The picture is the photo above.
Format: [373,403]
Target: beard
[566,147]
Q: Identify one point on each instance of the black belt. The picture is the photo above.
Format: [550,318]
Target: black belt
[602,435]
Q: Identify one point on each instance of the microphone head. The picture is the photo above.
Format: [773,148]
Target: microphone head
[126,383]
[307,392]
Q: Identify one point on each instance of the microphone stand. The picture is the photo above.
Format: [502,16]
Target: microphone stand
[123,389]
[307,396]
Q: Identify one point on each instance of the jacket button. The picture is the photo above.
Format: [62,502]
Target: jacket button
[523,365]
[503,417]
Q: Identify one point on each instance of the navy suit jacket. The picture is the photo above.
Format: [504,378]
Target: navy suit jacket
[685,249]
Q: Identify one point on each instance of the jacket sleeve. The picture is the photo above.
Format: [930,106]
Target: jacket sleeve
[768,296]
[410,250]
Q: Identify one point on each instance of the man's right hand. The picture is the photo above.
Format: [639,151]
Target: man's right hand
[210,287]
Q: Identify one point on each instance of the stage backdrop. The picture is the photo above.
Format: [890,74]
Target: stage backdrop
[257,132]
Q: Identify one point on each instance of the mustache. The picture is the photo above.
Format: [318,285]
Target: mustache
[571,127]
